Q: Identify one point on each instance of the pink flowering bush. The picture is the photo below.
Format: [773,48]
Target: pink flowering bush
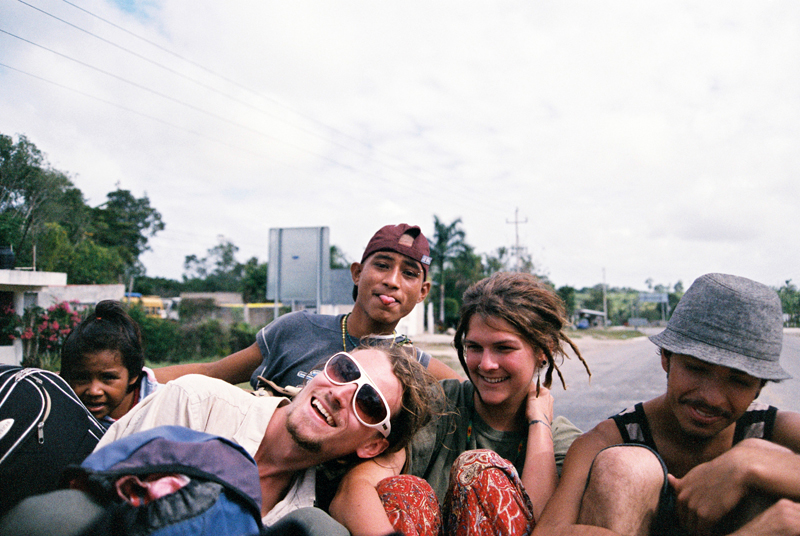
[10,324]
[44,332]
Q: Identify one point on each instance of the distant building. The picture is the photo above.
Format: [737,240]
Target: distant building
[589,318]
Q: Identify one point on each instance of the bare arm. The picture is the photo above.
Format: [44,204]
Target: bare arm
[781,519]
[712,489]
[235,368]
[357,505]
[441,371]
[560,515]
[539,475]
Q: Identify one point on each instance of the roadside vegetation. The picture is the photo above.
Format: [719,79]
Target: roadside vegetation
[49,225]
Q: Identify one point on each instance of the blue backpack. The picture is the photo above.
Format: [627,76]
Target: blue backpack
[222,496]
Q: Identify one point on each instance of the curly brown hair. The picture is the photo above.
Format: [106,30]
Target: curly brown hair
[530,306]
[421,393]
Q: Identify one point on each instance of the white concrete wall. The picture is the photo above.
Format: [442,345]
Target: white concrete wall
[19,282]
[83,294]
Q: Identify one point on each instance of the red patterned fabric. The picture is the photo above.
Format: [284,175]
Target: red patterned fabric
[411,505]
[485,497]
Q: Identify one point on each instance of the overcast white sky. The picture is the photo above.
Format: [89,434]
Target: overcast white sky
[652,139]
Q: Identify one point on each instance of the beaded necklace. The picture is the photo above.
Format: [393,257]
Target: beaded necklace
[346,337]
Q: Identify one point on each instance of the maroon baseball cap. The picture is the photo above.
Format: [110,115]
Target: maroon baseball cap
[388,239]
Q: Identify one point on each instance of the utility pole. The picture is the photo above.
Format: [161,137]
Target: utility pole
[605,302]
[517,248]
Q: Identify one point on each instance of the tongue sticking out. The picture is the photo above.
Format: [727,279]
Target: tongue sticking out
[387,300]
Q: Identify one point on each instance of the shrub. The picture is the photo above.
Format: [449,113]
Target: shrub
[160,337]
[44,332]
[10,324]
[206,339]
[241,335]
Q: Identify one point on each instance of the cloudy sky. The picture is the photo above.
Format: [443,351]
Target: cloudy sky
[641,140]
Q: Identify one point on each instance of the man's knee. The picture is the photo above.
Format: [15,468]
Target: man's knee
[623,489]
[626,467]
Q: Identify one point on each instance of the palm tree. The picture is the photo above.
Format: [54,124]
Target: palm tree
[448,243]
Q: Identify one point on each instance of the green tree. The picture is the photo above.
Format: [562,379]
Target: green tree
[594,300]
[567,295]
[126,224]
[32,195]
[497,261]
[254,281]
[217,271]
[39,206]
[448,243]
[790,302]
[338,259]
[157,286]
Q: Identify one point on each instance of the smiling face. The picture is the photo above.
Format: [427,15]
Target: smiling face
[704,398]
[389,285]
[321,418]
[103,384]
[500,363]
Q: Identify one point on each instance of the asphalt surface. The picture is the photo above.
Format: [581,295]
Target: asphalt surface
[625,372]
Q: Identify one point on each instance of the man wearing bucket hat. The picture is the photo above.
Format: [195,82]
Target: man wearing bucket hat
[704,457]
[389,282]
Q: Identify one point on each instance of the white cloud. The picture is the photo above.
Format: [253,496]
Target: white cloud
[651,139]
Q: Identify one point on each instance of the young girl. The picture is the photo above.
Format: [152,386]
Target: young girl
[103,362]
[499,426]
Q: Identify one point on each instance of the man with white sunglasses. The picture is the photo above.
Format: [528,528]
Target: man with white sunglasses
[361,404]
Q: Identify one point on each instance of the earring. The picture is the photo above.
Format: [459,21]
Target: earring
[538,381]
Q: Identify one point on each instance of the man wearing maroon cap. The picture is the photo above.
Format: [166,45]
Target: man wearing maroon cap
[388,283]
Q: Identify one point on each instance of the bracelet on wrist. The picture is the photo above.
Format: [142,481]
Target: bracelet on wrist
[535,421]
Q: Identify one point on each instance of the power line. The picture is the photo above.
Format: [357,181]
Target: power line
[181,102]
[456,189]
[147,116]
[369,148]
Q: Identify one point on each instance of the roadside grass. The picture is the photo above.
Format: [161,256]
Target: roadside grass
[607,334]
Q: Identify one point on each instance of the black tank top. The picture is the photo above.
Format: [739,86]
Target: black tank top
[757,421]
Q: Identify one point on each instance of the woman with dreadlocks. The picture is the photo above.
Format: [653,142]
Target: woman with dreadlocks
[490,458]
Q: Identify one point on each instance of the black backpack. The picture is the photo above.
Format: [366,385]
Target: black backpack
[44,427]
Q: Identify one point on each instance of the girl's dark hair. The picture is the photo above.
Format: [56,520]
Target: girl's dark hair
[532,308]
[108,327]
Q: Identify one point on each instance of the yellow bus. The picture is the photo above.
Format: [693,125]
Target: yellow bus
[153,305]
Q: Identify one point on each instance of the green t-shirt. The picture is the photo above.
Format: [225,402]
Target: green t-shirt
[434,448]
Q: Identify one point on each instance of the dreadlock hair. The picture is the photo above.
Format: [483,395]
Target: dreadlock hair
[530,306]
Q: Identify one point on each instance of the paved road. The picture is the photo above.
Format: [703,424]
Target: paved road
[626,372]
[629,371]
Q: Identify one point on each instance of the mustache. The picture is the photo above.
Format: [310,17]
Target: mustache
[705,408]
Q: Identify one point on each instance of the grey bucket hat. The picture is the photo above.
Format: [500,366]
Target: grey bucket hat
[730,321]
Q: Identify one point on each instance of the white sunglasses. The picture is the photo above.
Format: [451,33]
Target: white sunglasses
[369,404]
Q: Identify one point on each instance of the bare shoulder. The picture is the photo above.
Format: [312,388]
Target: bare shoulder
[585,448]
[787,430]
[604,434]
[562,510]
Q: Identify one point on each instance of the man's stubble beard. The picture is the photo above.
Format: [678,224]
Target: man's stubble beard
[311,445]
